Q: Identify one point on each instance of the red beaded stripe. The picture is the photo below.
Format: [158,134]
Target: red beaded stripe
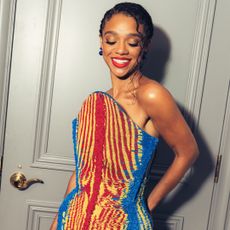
[98,164]
[106,142]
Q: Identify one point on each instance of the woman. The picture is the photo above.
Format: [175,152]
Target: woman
[116,133]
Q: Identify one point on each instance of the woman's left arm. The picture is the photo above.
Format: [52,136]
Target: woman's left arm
[172,127]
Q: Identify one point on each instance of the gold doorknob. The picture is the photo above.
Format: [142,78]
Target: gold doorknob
[19,181]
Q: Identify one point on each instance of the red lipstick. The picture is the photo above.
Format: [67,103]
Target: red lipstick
[120,62]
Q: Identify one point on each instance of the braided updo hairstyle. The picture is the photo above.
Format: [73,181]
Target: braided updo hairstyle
[136,11]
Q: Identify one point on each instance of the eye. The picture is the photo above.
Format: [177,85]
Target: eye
[110,42]
[134,44]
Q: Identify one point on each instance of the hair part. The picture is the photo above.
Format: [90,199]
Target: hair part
[136,11]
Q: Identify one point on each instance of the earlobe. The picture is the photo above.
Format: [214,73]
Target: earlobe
[100,50]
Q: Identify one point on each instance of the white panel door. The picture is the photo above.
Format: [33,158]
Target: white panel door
[55,65]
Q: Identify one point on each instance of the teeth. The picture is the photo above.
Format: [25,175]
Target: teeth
[120,61]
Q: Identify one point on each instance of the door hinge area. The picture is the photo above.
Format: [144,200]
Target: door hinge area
[1,159]
[217,171]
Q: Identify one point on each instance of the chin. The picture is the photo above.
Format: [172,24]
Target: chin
[123,73]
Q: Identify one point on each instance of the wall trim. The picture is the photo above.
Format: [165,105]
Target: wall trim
[172,222]
[41,158]
[200,53]
[38,210]
[221,192]
[6,46]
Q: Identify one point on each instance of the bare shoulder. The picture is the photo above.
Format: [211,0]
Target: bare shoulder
[151,94]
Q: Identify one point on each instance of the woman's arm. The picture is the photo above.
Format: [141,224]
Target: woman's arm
[70,187]
[170,124]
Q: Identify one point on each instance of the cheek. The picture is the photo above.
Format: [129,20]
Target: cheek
[107,49]
[106,57]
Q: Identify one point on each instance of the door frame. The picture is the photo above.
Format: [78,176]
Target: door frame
[7,17]
[195,86]
[220,205]
[219,213]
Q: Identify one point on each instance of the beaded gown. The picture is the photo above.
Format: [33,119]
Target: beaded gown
[112,156]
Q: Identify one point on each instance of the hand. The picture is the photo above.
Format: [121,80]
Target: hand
[149,206]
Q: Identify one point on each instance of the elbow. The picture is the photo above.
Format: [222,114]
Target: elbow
[191,154]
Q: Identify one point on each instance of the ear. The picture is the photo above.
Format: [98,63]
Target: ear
[100,40]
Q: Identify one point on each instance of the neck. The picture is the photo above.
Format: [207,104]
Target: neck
[121,86]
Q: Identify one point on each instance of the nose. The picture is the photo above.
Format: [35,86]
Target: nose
[121,48]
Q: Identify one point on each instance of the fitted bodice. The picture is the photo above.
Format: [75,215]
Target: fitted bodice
[112,156]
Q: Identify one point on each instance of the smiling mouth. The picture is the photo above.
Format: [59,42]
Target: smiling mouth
[121,62]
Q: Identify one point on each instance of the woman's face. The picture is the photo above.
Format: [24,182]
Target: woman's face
[121,44]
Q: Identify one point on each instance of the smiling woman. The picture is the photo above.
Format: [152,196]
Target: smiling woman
[116,134]
[125,35]
[121,45]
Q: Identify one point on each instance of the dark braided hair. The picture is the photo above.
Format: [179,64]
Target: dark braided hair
[137,12]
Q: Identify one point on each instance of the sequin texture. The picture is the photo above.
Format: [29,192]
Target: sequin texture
[112,155]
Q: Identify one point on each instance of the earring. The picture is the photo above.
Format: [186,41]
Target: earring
[100,51]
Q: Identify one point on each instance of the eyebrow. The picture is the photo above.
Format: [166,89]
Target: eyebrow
[130,34]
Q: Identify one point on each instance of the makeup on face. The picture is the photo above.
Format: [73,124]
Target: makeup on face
[133,39]
[121,44]
[120,62]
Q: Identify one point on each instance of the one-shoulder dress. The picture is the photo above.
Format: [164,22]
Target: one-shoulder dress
[113,157]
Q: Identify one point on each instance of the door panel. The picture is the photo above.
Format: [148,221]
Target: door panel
[54,43]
